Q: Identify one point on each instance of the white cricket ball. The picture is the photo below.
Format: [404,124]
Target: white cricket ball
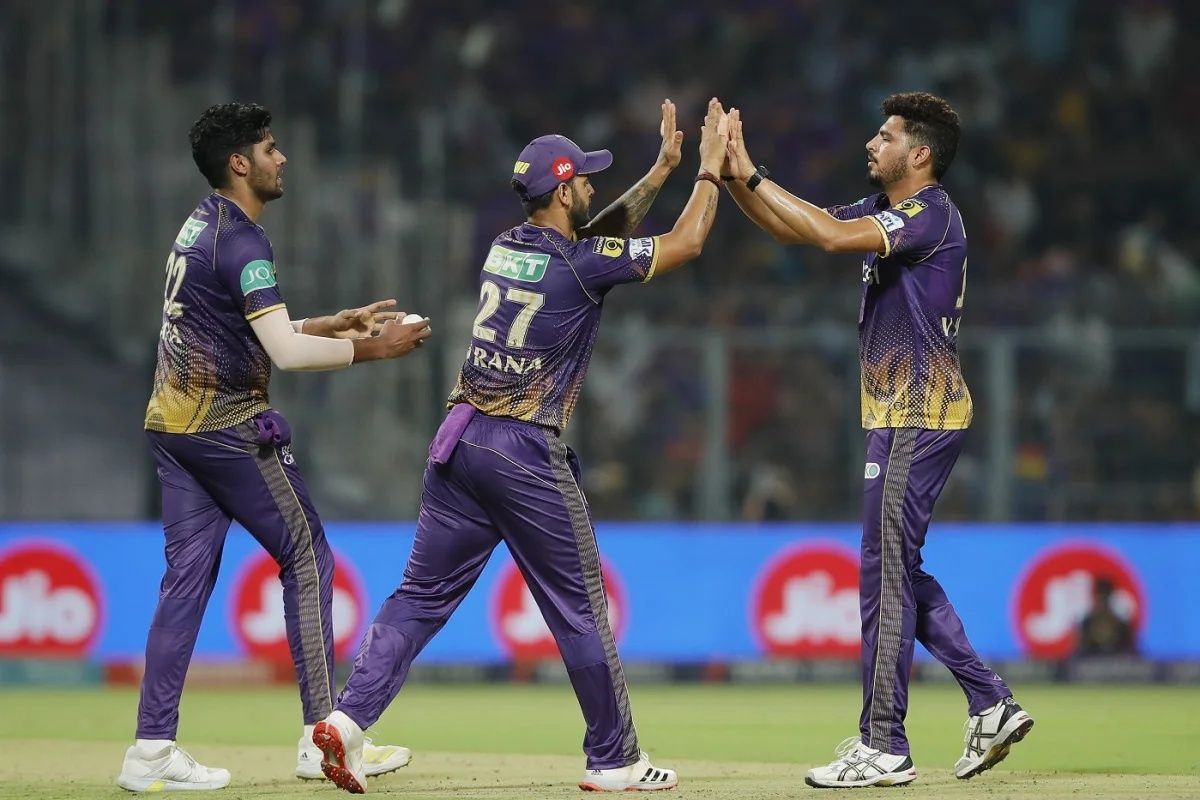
[412,318]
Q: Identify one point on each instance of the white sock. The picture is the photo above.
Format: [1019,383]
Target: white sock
[308,731]
[152,747]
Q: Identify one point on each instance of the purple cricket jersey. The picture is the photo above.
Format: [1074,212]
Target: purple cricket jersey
[911,308]
[212,371]
[540,298]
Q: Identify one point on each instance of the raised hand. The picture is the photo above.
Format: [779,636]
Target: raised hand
[357,323]
[741,166]
[714,137]
[670,153]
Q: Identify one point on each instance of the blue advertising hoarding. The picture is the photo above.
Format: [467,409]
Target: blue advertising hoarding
[678,592]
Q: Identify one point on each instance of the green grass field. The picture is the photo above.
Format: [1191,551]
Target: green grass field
[498,742]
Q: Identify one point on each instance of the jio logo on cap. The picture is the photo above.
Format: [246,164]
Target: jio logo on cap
[562,168]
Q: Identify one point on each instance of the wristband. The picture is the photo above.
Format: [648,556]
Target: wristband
[705,175]
[760,175]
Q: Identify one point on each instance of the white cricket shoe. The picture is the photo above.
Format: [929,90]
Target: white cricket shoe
[340,741]
[858,765]
[378,759]
[640,776]
[167,767]
[989,735]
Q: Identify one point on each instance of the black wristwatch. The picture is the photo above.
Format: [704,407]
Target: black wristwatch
[760,175]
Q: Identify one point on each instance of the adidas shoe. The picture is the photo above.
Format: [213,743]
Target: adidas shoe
[858,765]
[640,776]
[341,743]
[162,765]
[378,759]
[988,736]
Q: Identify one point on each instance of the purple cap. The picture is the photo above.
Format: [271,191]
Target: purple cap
[550,160]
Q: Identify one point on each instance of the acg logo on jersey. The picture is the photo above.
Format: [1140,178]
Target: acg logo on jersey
[1056,593]
[50,603]
[257,609]
[517,621]
[805,603]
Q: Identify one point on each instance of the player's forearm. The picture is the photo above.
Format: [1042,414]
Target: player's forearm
[316,326]
[292,351]
[809,223]
[814,225]
[623,216]
[761,214]
[686,240]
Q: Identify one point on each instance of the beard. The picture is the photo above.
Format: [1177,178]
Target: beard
[579,214]
[266,184]
[886,176]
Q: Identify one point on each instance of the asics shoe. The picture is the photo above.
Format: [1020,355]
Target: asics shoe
[989,735]
[858,765]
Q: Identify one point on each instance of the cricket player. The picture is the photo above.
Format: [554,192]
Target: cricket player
[498,471]
[915,408]
[223,453]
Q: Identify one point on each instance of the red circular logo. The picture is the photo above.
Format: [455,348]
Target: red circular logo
[563,169]
[805,603]
[50,603]
[257,609]
[1057,591]
[517,621]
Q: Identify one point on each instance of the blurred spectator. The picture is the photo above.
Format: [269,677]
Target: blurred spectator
[1104,631]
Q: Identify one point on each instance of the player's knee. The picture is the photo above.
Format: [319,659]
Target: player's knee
[582,651]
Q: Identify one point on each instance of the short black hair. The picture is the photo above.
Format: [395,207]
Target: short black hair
[533,204]
[928,120]
[223,130]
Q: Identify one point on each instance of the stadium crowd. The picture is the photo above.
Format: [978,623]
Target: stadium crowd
[1077,118]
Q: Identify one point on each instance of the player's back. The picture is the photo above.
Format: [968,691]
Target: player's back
[212,372]
[540,298]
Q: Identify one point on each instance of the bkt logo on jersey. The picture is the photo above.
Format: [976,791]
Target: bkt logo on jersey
[805,603]
[1058,590]
[517,621]
[50,604]
[257,609]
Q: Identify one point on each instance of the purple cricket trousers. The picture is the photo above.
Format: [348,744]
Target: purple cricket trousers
[900,602]
[517,483]
[209,479]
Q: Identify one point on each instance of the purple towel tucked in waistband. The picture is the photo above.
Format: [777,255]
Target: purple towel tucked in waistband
[273,429]
[450,432]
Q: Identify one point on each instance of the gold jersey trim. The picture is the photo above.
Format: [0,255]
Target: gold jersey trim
[653,261]
[266,310]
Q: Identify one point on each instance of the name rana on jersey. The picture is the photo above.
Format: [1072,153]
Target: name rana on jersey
[482,359]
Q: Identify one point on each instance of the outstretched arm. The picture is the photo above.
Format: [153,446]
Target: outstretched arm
[686,240]
[623,216]
[788,218]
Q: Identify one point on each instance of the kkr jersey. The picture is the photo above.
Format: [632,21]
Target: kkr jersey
[212,371]
[911,307]
[540,297]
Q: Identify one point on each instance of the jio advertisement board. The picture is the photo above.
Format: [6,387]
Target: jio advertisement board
[677,593]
